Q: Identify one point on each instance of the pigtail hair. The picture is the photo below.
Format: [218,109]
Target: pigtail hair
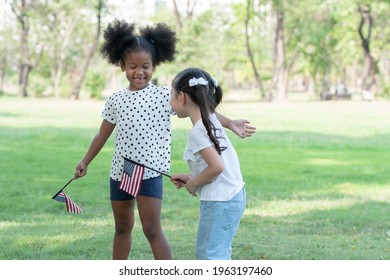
[117,36]
[163,39]
[211,130]
[204,97]
[218,93]
[201,93]
[215,93]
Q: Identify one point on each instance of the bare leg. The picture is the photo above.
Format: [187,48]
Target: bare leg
[124,222]
[150,214]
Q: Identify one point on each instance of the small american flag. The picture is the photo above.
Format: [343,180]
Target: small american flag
[70,205]
[131,178]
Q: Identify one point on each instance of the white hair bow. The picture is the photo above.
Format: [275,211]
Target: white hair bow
[200,81]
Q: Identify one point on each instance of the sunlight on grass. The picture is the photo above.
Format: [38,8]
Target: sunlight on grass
[48,241]
[91,223]
[352,194]
[43,240]
[103,222]
[33,114]
[6,224]
[282,208]
[327,162]
[365,193]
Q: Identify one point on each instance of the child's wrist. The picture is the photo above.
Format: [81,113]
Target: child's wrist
[189,177]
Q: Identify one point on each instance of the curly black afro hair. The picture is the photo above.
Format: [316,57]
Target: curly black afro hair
[120,37]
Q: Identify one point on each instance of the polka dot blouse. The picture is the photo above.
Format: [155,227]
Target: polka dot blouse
[143,131]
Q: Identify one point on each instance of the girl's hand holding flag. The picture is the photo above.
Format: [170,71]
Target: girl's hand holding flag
[180,180]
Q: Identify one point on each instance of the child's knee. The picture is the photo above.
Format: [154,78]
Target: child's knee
[123,227]
[151,231]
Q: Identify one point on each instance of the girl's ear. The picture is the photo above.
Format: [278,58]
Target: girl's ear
[182,97]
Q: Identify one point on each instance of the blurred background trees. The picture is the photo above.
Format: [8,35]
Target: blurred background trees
[258,49]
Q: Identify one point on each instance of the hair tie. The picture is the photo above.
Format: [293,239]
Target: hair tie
[200,81]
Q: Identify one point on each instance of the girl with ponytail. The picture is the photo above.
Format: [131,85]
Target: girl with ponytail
[213,163]
[141,115]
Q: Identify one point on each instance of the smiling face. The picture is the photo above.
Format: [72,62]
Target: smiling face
[139,69]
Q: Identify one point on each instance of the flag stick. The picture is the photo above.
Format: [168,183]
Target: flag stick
[143,165]
[63,187]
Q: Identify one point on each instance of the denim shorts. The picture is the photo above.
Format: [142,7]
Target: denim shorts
[152,187]
[219,221]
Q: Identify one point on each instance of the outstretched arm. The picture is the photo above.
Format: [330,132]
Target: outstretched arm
[240,127]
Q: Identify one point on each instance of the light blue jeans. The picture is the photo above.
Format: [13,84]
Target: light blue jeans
[219,221]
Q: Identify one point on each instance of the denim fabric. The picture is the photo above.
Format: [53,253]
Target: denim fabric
[219,221]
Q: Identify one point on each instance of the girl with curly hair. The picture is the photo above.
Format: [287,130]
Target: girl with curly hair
[141,115]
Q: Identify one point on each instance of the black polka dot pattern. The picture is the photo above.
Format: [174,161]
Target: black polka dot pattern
[143,129]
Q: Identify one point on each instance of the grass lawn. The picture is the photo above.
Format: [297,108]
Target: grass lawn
[317,178]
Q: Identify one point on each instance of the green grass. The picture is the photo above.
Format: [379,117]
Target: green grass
[317,180]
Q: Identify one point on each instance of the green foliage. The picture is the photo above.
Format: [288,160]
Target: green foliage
[316,176]
[386,91]
[96,83]
[323,33]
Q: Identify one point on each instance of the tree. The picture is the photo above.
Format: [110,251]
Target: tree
[62,23]
[189,11]
[381,42]
[269,44]
[248,15]
[284,45]
[368,76]
[29,53]
[80,78]
[317,43]
[6,56]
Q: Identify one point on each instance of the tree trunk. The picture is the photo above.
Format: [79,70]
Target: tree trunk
[25,59]
[24,72]
[59,56]
[280,78]
[179,24]
[368,85]
[178,16]
[56,77]
[24,67]
[249,51]
[75,94]
[2,75]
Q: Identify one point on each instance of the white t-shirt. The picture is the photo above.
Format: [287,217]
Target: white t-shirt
[226,185]
[143,129]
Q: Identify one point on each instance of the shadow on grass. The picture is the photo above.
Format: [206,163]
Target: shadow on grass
[310,196]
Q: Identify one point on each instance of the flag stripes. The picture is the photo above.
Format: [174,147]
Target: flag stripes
[131,178]
[70,205]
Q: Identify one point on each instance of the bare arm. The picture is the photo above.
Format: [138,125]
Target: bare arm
[97,144]
[240,127]
[214,167]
